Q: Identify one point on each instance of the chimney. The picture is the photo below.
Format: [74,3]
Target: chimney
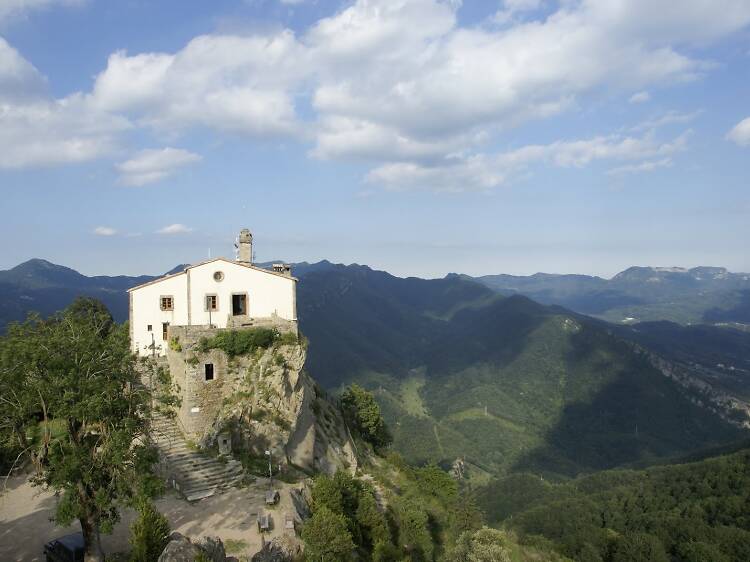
[245,246]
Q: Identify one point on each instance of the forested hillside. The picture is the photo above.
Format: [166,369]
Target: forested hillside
[696,512]
[503,382]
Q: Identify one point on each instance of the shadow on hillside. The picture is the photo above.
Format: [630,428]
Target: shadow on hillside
[636,415]
[496,333]
[738,313]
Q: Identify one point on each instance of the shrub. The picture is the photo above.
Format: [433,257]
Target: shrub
[240,342]
[326,537]
[149,534]
[484,545]
[364,413]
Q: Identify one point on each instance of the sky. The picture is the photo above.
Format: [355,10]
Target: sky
[417,136]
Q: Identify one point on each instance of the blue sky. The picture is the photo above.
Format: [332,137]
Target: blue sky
[421,136]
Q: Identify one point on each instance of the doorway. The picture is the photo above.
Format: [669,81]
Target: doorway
[239,305]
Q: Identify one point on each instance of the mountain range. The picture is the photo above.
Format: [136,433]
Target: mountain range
[506,383]
[697,295]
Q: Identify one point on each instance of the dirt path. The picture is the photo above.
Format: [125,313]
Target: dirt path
[25,524]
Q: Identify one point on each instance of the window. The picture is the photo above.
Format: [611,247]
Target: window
[212,302]
[239,305]
[218,276]
[164,327]
[149,328]
[209,371]
[167,303]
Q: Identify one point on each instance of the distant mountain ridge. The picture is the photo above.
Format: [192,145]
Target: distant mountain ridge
[502,381]
[699,294]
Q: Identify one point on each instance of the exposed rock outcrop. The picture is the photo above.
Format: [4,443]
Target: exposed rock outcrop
[257,402]
[281,549]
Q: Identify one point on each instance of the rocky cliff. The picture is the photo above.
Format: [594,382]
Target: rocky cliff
[257,401]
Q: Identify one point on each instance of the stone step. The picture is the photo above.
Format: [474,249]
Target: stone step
[197,475]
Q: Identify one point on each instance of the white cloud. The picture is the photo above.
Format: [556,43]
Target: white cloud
[19,79]
[152,165]
[669,118]
[174,229]
[647,166]
[483,172]
[640,97]
[53,132]
[740,133]
[17,8]
[399,83]
[37,130]
[228,83]
[105,231]
[512,8]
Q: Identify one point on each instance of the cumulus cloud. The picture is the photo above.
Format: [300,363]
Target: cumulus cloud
[152,165]
[176,228]
[228,83]
[740,133]
[402,85]
[105,231]
[37,130]
[640,97]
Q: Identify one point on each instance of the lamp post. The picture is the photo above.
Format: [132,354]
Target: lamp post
[270,469]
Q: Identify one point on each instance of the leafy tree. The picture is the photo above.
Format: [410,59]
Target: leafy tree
[327,537]
[371,520]
[696,551]
[326,493]
[364,413]
[75,372]
[639,547]
[414,532]
[149,534]
[386,552]
[484,545]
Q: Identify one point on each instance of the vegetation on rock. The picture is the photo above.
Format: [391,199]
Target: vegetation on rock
[246,341]
[363,413]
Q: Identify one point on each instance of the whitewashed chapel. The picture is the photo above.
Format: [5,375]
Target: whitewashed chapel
[218,293]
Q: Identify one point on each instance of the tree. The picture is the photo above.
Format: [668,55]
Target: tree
[371,521]
[484,545]
[414,532]
[639,547]
[149,534]
[72,401]
[326,537]
[363,412]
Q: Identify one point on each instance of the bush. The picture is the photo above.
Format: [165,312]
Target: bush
[149,534]
[364,413]
[484,545]
[240,342]
[326,537]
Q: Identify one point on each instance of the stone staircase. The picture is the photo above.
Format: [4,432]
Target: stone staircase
[193,474]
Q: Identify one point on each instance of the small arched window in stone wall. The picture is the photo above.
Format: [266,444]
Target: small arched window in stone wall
[218,276]
[209,371]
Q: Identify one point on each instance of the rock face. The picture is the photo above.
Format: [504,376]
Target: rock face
[282,549]
[181,549]
[257,402]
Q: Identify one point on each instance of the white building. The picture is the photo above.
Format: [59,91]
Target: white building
[219,292]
